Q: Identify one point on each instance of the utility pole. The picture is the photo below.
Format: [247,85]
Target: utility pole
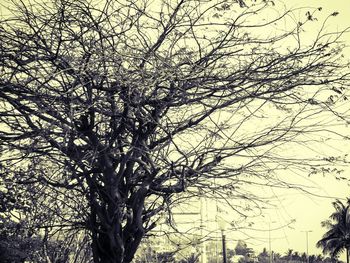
[203,254]
[270,255]
[270,252]
[307,244]
[224,257]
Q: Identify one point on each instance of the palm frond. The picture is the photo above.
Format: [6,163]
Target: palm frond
[337,238]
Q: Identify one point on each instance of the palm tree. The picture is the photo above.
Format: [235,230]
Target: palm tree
[289,254]
[296,256]
[319,258]
[337,238]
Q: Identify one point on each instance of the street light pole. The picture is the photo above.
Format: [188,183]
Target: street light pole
[203,254]
[270,252]
[224,257]
[270,255]
[307,244]
[221,223]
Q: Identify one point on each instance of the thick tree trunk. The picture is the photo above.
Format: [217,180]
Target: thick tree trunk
[131,247]
[109,245]
[106,234]
[110,251]
[111,241]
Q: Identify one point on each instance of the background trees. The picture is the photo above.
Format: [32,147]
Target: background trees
[242,248]
[337,239]
[113,112]
[20,240]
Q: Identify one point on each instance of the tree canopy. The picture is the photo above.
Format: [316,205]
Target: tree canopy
[114,111]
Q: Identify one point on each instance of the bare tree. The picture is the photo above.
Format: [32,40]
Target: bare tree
[110,109]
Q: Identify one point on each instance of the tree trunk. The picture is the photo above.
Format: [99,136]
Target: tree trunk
[107,244]
[110,251]
[112,242]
